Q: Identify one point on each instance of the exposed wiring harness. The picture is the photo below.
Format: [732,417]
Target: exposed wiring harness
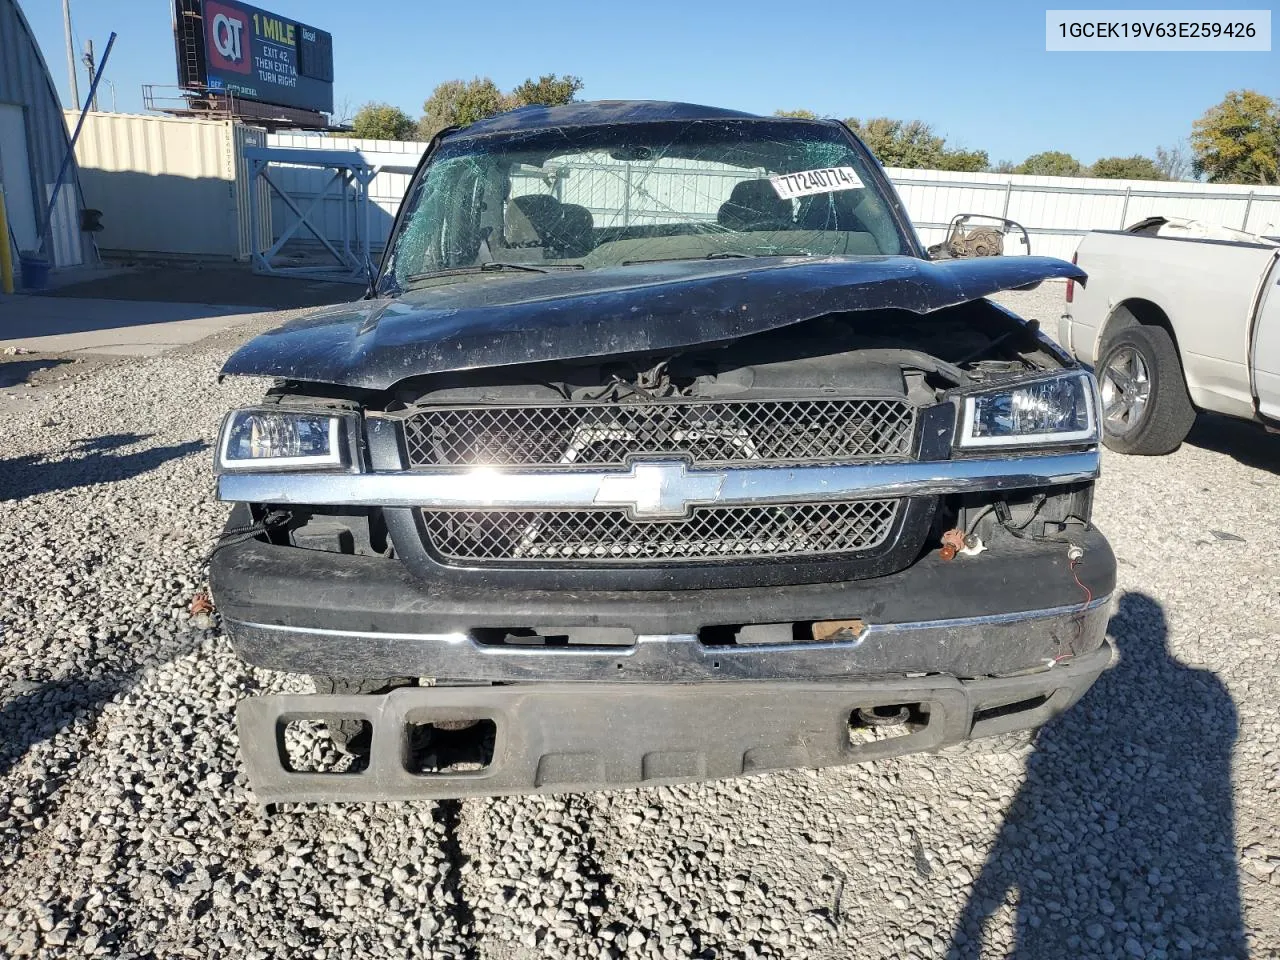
[1074,555]
[1005,517]
[973,524]
[238,535]
[1019,530]
[1077,555]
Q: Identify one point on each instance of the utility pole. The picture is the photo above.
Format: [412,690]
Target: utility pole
[88,65]
[71,55]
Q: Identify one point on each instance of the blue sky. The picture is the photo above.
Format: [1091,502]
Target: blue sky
[977,71]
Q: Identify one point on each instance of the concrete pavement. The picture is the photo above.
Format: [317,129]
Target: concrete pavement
[64,325]
[145,309]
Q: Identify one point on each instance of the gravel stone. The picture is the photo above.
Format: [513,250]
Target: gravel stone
[1141,823]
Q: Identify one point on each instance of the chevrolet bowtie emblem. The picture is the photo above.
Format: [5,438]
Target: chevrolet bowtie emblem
[659,489]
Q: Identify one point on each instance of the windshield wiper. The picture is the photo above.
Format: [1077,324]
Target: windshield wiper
[724,255]
[493,266]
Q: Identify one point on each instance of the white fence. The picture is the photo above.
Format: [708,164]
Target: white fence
[1056,211]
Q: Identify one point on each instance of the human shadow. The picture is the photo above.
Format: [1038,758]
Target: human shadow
[92,460]
[1120,842]
[32,711]
[39,711]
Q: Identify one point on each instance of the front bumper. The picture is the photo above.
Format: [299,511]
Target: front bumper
[974,647]
[561,737]
[1011,609]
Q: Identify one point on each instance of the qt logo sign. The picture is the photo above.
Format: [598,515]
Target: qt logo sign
[226,32]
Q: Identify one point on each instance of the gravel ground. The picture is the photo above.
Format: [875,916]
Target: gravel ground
[1141,824]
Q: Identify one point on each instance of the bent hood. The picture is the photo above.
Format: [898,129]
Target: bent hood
[501,319]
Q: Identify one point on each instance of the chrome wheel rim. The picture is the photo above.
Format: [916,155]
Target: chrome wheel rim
[1126,390]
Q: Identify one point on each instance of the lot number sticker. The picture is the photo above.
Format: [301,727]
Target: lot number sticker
[806,182]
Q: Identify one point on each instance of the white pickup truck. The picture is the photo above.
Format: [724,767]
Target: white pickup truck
[1176,317]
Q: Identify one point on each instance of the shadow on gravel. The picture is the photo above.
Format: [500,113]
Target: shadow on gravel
[1242,440]
[37,710]
[93,460]
[15,373]
[47,709]
[1120,842]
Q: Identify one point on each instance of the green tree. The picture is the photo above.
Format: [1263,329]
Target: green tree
[1238,141]
[801,114]
[898,143]
[456,103]
[548,90]
[968,161]
[912,144]
[1051,163]
[381,121]
[1126,168]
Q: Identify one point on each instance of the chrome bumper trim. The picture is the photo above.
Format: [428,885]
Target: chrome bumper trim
[570,488]
[682,658]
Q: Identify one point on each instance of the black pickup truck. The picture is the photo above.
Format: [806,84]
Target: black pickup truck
[658,450]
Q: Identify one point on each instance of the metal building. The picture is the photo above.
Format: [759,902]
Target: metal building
[33,144]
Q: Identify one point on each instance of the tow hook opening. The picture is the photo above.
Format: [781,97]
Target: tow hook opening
[884,721]
[890,716]
[449,746]
[1009,709]
[329,744]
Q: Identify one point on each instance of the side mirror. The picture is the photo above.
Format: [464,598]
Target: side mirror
[978,235]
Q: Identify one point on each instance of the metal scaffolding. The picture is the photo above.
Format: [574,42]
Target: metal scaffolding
[350,174]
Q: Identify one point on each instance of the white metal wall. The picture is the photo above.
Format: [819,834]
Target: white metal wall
[1056,211]
[167,185]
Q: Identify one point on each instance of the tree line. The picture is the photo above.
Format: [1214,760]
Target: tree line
[456,103]
[1235,141]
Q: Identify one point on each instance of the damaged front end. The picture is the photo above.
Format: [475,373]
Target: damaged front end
[662,521]
[634,524]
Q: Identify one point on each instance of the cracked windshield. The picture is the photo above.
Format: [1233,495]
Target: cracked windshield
[606,197]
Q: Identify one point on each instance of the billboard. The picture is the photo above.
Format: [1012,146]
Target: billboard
[261,56]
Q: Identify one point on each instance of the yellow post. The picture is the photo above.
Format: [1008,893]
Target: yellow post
[6,257]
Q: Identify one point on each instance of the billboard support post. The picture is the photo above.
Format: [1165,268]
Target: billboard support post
[71,55]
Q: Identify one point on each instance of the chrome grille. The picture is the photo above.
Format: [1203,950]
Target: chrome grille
[709,533]
[704,431]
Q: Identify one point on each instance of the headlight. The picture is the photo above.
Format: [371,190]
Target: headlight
[270,439]
[1060,410]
